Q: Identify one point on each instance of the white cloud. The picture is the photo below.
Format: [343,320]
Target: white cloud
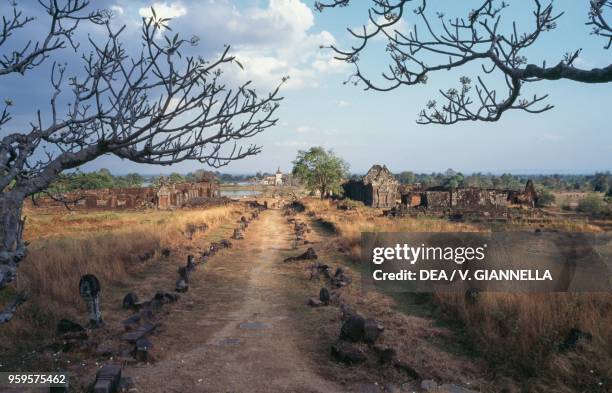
[581,62]
[342,103]
[271,41]
[163,10]
[303,129]
[117,10]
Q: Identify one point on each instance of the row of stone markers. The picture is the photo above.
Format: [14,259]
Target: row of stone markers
[358,335]
[300,230]
[358,340]
[244,221]
[145,319]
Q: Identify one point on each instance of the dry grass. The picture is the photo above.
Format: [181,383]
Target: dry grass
[522,334]
[350,224]
[112,245]
[518,334]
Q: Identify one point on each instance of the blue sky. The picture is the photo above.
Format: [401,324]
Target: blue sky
[274,38]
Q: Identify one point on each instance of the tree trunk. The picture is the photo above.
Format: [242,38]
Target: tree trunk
[12,247]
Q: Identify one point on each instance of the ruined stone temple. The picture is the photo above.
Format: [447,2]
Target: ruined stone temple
[166,196]
[176,195]
[529,197]
[378,188]
[469,200]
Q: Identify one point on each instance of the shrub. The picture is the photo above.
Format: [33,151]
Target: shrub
[592,204]
[545,197]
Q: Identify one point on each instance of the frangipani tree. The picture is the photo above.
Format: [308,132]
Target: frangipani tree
[154,107]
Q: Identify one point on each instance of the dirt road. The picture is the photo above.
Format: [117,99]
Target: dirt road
[233,331]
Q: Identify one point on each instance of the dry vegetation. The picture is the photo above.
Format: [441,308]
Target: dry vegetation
[349,224]
[518,334]
[114,246]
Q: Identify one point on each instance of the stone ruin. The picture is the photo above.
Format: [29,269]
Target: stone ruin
[310,253]
[441,201]
[378,188]
[529,197]
[166,196]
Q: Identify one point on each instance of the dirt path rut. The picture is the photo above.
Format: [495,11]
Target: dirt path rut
[233,332]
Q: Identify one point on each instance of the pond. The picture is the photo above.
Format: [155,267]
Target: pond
[239,193]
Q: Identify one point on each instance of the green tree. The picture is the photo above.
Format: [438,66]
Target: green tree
[545,197]
[173,178]
[133,180]
[176,178]
[92,180]
[452,183]
[454,180]
[199,174]
[406,177]
[601,182]
[592,204]
[320,170]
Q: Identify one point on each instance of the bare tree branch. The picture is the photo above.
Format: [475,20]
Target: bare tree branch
[438,43]
[65,19]
[597,20]
[59,198]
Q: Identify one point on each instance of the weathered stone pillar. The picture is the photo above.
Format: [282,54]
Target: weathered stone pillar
[182,284]
[89,287]
[141,352]
[190,263]
[107,379]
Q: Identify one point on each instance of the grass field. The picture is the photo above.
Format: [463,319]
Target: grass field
[114,246]
[518,334]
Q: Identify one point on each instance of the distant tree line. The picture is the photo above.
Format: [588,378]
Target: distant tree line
[598,182]
[102,178]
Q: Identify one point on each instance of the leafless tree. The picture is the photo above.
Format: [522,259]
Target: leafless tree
[155,106]
[437,43]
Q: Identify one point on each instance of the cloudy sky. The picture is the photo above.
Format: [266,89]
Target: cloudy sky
[276,38]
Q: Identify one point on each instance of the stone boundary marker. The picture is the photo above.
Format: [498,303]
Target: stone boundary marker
[141,324]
